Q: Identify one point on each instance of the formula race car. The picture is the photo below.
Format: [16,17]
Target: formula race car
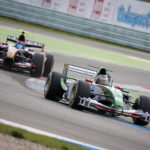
[24,56]
[97,94]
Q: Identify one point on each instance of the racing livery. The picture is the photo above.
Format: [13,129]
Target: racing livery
[96,96]
[24,56]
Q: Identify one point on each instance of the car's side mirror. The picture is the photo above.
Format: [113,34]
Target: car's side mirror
[120,88]
[88,80]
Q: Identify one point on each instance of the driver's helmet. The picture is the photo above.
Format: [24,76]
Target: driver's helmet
[102,79]
[20,45]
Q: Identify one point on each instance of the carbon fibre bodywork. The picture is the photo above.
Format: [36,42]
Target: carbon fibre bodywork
[29,58]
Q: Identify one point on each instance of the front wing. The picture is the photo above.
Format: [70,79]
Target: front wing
[96,106]
[18,65]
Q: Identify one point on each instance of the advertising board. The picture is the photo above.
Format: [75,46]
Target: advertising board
[130,14]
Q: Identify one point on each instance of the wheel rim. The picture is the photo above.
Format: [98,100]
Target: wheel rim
[72,94]
[46,86]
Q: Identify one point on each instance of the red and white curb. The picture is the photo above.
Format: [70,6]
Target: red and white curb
[44,133]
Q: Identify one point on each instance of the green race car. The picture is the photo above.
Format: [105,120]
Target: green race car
[97,94]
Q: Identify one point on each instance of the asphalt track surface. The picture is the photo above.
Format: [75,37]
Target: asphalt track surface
[27,106]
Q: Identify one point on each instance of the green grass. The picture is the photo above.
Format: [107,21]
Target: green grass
[38,139]
[145,0]
[71,48]
[137,94]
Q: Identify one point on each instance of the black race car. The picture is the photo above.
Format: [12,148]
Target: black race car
[25,56]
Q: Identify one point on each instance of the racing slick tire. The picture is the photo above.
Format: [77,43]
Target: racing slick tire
[37,65]
[52,89]
[48,65]
[143,103]
[82,89]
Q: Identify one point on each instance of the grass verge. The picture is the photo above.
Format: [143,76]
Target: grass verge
[38,139]
[137,94]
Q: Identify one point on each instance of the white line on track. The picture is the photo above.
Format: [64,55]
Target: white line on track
[141,59]
[61,138]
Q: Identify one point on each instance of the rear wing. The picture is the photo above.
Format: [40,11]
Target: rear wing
[34,44]
[11,38]
[27,42]
[85,71]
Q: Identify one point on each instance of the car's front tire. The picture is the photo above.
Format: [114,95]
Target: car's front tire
[82,89]
[53,89]
[143,103]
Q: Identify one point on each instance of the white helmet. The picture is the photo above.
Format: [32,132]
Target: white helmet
[102,79]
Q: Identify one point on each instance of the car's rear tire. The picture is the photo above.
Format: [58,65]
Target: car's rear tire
[143,103]
[37,65]
[52,88]
[48,65]
[82,89]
